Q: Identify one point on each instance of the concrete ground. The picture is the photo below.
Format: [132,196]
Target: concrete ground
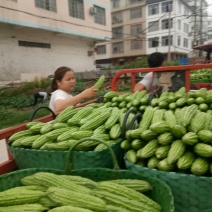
[8,83]
[3,147]
[3,151]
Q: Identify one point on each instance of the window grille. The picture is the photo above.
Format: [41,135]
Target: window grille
[136,44]
[153,9]
[76,8]
[34,44]
[99,17]
[46,4]
[117,47]
[136,13]
[101,49]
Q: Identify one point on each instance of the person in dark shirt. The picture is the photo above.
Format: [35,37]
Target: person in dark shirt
[42,96]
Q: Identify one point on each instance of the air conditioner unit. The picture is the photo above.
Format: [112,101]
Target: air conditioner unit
[90,52]
[194,43]
[93,10]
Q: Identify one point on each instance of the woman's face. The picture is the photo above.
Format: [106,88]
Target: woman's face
[68,82]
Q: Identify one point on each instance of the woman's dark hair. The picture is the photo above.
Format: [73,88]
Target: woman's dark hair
[155,59]
[58,76]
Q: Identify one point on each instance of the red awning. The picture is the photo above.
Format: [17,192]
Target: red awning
[206,47]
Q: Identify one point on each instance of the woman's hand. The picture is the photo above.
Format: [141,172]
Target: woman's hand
[89,93]
[61,104]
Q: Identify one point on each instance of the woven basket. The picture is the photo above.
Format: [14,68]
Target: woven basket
[161,193]
[37,158]
[191,193]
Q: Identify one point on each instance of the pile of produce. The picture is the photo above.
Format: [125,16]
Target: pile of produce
[204,74]
[95,120]
[45,191]
[137,100]
[175,134]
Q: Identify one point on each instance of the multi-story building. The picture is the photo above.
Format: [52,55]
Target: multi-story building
[199,24]
[168,27]
[209,34]
[199,21]
[140,27]
[38,36]
[128,23]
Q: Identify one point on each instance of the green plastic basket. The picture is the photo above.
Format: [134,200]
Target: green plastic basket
[161,193]
[55,159]
[37,158]
[191,193]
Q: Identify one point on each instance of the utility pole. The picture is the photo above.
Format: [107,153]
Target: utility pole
[169,36]
[200,32]
[195,27]
[155,44]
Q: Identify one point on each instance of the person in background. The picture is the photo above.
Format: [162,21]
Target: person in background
[208,57]
[62,85]
[40,96]
[154,60]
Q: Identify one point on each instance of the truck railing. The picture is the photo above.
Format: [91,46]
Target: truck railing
[134,72]
[202,61]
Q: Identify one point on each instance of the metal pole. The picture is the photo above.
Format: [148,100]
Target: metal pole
[169,36]
[201,14]
[195,27]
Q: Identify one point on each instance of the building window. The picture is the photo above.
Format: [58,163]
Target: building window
[153,42]
[136,1]
[115,3]
[136,44]
[186,28]
[186,12]
[99,17]
[153,9]
[101,49]
[153,26]
[178,40]
[136,29]
[179,24]
[136,13]
[117,32]
[209,37]
[165,40]
[116,18]
[165,23]
[46,4]
[179,7]
[166,6]
[117,47]
[34,44]
[185,42]
[76,8]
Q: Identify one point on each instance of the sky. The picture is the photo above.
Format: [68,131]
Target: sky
[209,7]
